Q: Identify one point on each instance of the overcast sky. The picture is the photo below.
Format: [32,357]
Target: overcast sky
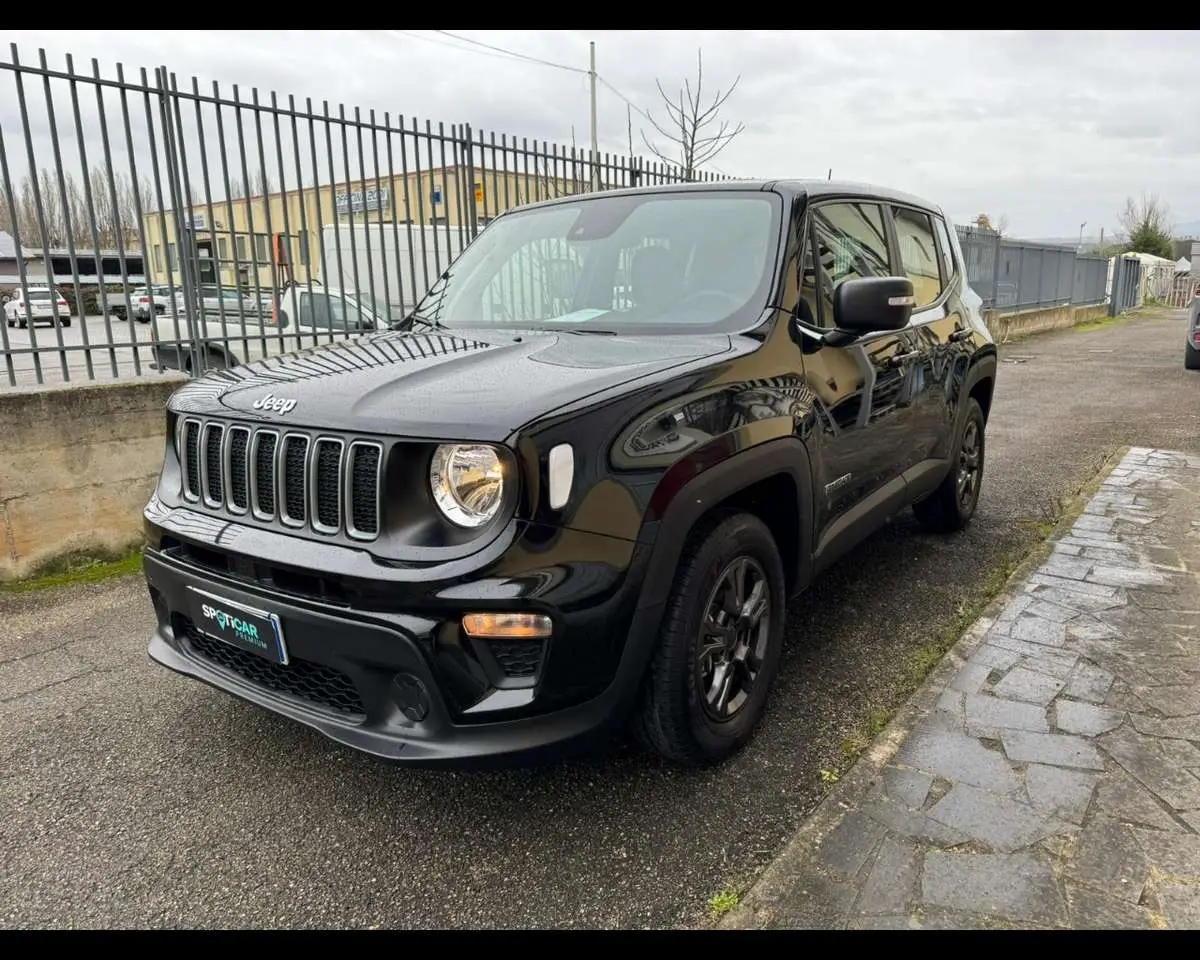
[1048,129]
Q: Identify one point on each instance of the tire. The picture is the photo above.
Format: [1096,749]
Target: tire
[1191,358]
[65,323]
[674,717]
[948,508]
[22,324]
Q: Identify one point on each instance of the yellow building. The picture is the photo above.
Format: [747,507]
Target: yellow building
[278,234]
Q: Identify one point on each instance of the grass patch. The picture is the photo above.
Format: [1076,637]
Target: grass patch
[1101,322]
[721,903]
[79,568]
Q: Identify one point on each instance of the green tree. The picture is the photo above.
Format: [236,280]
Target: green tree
[1148,225]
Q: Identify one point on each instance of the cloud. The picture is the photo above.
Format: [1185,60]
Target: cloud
[1051,128]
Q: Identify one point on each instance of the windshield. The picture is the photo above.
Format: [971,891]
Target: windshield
[637,263]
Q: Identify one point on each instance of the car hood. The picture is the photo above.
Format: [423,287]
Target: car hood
[464,385]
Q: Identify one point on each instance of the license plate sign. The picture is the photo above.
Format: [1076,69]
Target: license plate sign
[247,628]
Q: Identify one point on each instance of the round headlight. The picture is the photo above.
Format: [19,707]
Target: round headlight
[467,482]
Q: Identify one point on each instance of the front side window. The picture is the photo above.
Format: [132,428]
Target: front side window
[851,243]
[322,311]
[647,263]
[918,254]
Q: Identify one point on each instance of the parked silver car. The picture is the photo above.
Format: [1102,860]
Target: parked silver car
[214,300]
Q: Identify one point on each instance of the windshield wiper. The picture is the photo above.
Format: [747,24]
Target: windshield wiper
[580,331]
[407,322]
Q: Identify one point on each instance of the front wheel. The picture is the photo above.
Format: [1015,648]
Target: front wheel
[719,647]
[1191,358]
[951,506]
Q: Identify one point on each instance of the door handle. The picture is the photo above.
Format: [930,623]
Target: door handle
[897,359]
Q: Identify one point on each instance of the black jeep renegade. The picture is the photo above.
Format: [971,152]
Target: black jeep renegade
[576,487]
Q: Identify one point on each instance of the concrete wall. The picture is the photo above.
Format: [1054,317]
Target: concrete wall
[77,466]
[1007,326]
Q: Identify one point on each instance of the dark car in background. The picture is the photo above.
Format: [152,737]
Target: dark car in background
[1191,348]
[575,489]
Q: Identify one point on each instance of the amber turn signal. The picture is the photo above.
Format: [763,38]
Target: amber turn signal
[507,626]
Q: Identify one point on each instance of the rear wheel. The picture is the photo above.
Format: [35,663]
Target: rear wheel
[66,322]
[720,644]
[951,506]
[1191,358]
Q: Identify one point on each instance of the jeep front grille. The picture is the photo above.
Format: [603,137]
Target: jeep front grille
[301,480]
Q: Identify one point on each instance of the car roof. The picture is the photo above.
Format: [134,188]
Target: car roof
[793,189]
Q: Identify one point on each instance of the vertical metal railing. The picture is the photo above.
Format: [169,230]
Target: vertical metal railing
[253,224]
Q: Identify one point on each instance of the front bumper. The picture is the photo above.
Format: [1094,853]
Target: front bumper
[377,680]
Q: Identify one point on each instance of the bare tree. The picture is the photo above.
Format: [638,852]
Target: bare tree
[77,214]
[27,219]
[102,208]
[689,124]
[1148,226]
[1002,224]
[146,192]
[6,217]
[52,210]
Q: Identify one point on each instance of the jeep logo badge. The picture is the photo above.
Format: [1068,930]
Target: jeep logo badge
[272,402]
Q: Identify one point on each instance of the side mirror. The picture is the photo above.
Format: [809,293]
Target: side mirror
[873,304]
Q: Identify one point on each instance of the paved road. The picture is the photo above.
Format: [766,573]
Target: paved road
[115,362]
[133,797]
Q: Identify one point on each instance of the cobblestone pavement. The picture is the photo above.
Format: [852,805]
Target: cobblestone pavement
[1048,773]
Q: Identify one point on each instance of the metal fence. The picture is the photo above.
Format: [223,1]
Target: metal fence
[1016,275]
[174,227]
[242,213]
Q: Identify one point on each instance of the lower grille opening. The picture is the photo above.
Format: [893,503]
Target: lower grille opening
[315,683]
[517,658]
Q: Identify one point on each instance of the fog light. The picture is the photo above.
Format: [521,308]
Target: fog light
[507,626]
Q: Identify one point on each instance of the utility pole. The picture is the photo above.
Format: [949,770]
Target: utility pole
[1080,246]
[595,139]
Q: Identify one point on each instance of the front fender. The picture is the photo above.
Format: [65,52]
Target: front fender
[697,484]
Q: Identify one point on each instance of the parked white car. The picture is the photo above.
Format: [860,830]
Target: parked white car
[297,318]
[44,304]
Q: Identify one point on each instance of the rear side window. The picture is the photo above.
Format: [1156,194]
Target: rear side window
[946,250]
[918,254]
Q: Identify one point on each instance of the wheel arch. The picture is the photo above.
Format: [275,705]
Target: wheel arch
[772,480]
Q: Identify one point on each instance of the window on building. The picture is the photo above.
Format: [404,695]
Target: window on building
[262,248]
[157,258]
[222,248]
[918,254]
[304,249]
[171,262]
[851,243]
[239,245]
